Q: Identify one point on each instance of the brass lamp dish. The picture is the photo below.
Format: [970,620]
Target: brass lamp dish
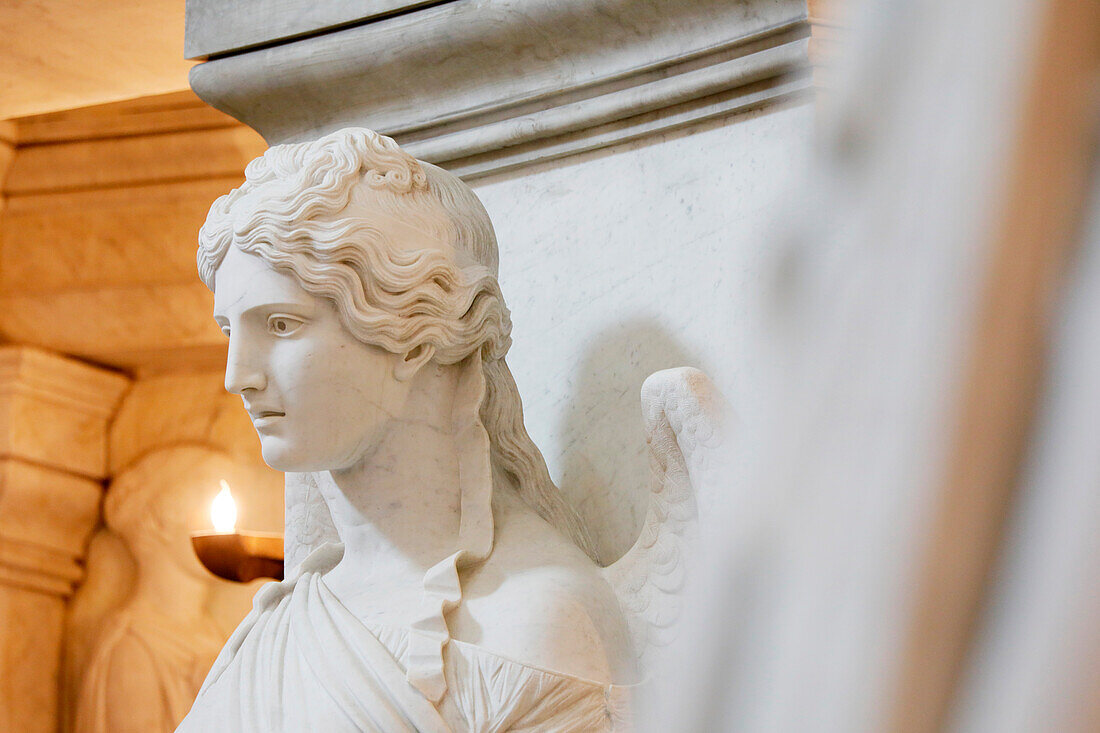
[240,557]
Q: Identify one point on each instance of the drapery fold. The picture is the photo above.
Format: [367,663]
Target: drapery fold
[302,661]
[301,644]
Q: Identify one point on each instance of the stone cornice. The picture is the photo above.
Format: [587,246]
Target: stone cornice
[37,568]
[61,381]
[491,85]
[46,516]
[216,28]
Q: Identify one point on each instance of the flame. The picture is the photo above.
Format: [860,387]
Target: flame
[223,510]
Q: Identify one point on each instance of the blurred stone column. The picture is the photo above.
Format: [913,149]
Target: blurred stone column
[54,413]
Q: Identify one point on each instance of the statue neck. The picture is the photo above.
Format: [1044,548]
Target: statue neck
[397,510]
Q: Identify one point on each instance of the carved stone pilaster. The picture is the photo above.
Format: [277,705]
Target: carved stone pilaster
[54,414]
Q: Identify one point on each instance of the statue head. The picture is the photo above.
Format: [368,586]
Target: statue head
[398,260]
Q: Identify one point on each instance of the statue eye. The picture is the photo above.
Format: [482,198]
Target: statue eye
[283,325]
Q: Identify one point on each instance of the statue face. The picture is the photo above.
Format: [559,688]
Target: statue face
[318,398]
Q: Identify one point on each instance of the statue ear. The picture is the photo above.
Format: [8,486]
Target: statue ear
[412,361]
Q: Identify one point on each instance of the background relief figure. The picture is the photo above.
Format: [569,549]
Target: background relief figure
[149,657]
[436,578]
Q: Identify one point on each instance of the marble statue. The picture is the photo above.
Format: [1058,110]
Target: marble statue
[149,657]
[436,578]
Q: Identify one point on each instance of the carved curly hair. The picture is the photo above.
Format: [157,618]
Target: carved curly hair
[290,211]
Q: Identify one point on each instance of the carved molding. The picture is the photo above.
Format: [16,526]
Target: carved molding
[39,569]
[54,411]
[217,28]
[161,113]
[132,160]
[50,509]
[487,86]
[65,382]
[116,194]
[54,414]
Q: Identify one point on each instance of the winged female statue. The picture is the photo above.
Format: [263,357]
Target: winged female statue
[436,579]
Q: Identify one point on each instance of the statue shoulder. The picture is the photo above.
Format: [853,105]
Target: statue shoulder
[539,600]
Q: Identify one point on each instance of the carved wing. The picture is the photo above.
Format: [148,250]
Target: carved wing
[685,417]
[308,522]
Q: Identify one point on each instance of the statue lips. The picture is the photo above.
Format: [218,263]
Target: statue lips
[262,418]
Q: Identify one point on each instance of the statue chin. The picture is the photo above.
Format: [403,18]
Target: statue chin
[283,458]
[280,463]
[305,448]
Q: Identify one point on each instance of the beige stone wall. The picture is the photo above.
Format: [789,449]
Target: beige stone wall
[108,355]
[97,237]
[53,455]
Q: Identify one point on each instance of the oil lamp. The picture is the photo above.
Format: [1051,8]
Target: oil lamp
[233,555]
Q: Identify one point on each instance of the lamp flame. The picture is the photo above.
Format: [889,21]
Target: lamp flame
[223,510]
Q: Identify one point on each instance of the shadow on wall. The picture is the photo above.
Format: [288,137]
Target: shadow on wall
[604,465]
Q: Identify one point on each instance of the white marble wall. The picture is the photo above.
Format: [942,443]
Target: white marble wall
[624,261]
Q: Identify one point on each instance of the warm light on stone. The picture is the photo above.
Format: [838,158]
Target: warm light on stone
[223,510]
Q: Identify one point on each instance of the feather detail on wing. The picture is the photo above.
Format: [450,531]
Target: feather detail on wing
[308,522]
[684,420]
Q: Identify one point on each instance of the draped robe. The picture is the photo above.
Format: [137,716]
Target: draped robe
[300,661]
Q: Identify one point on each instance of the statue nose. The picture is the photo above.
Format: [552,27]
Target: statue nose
[242,373]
